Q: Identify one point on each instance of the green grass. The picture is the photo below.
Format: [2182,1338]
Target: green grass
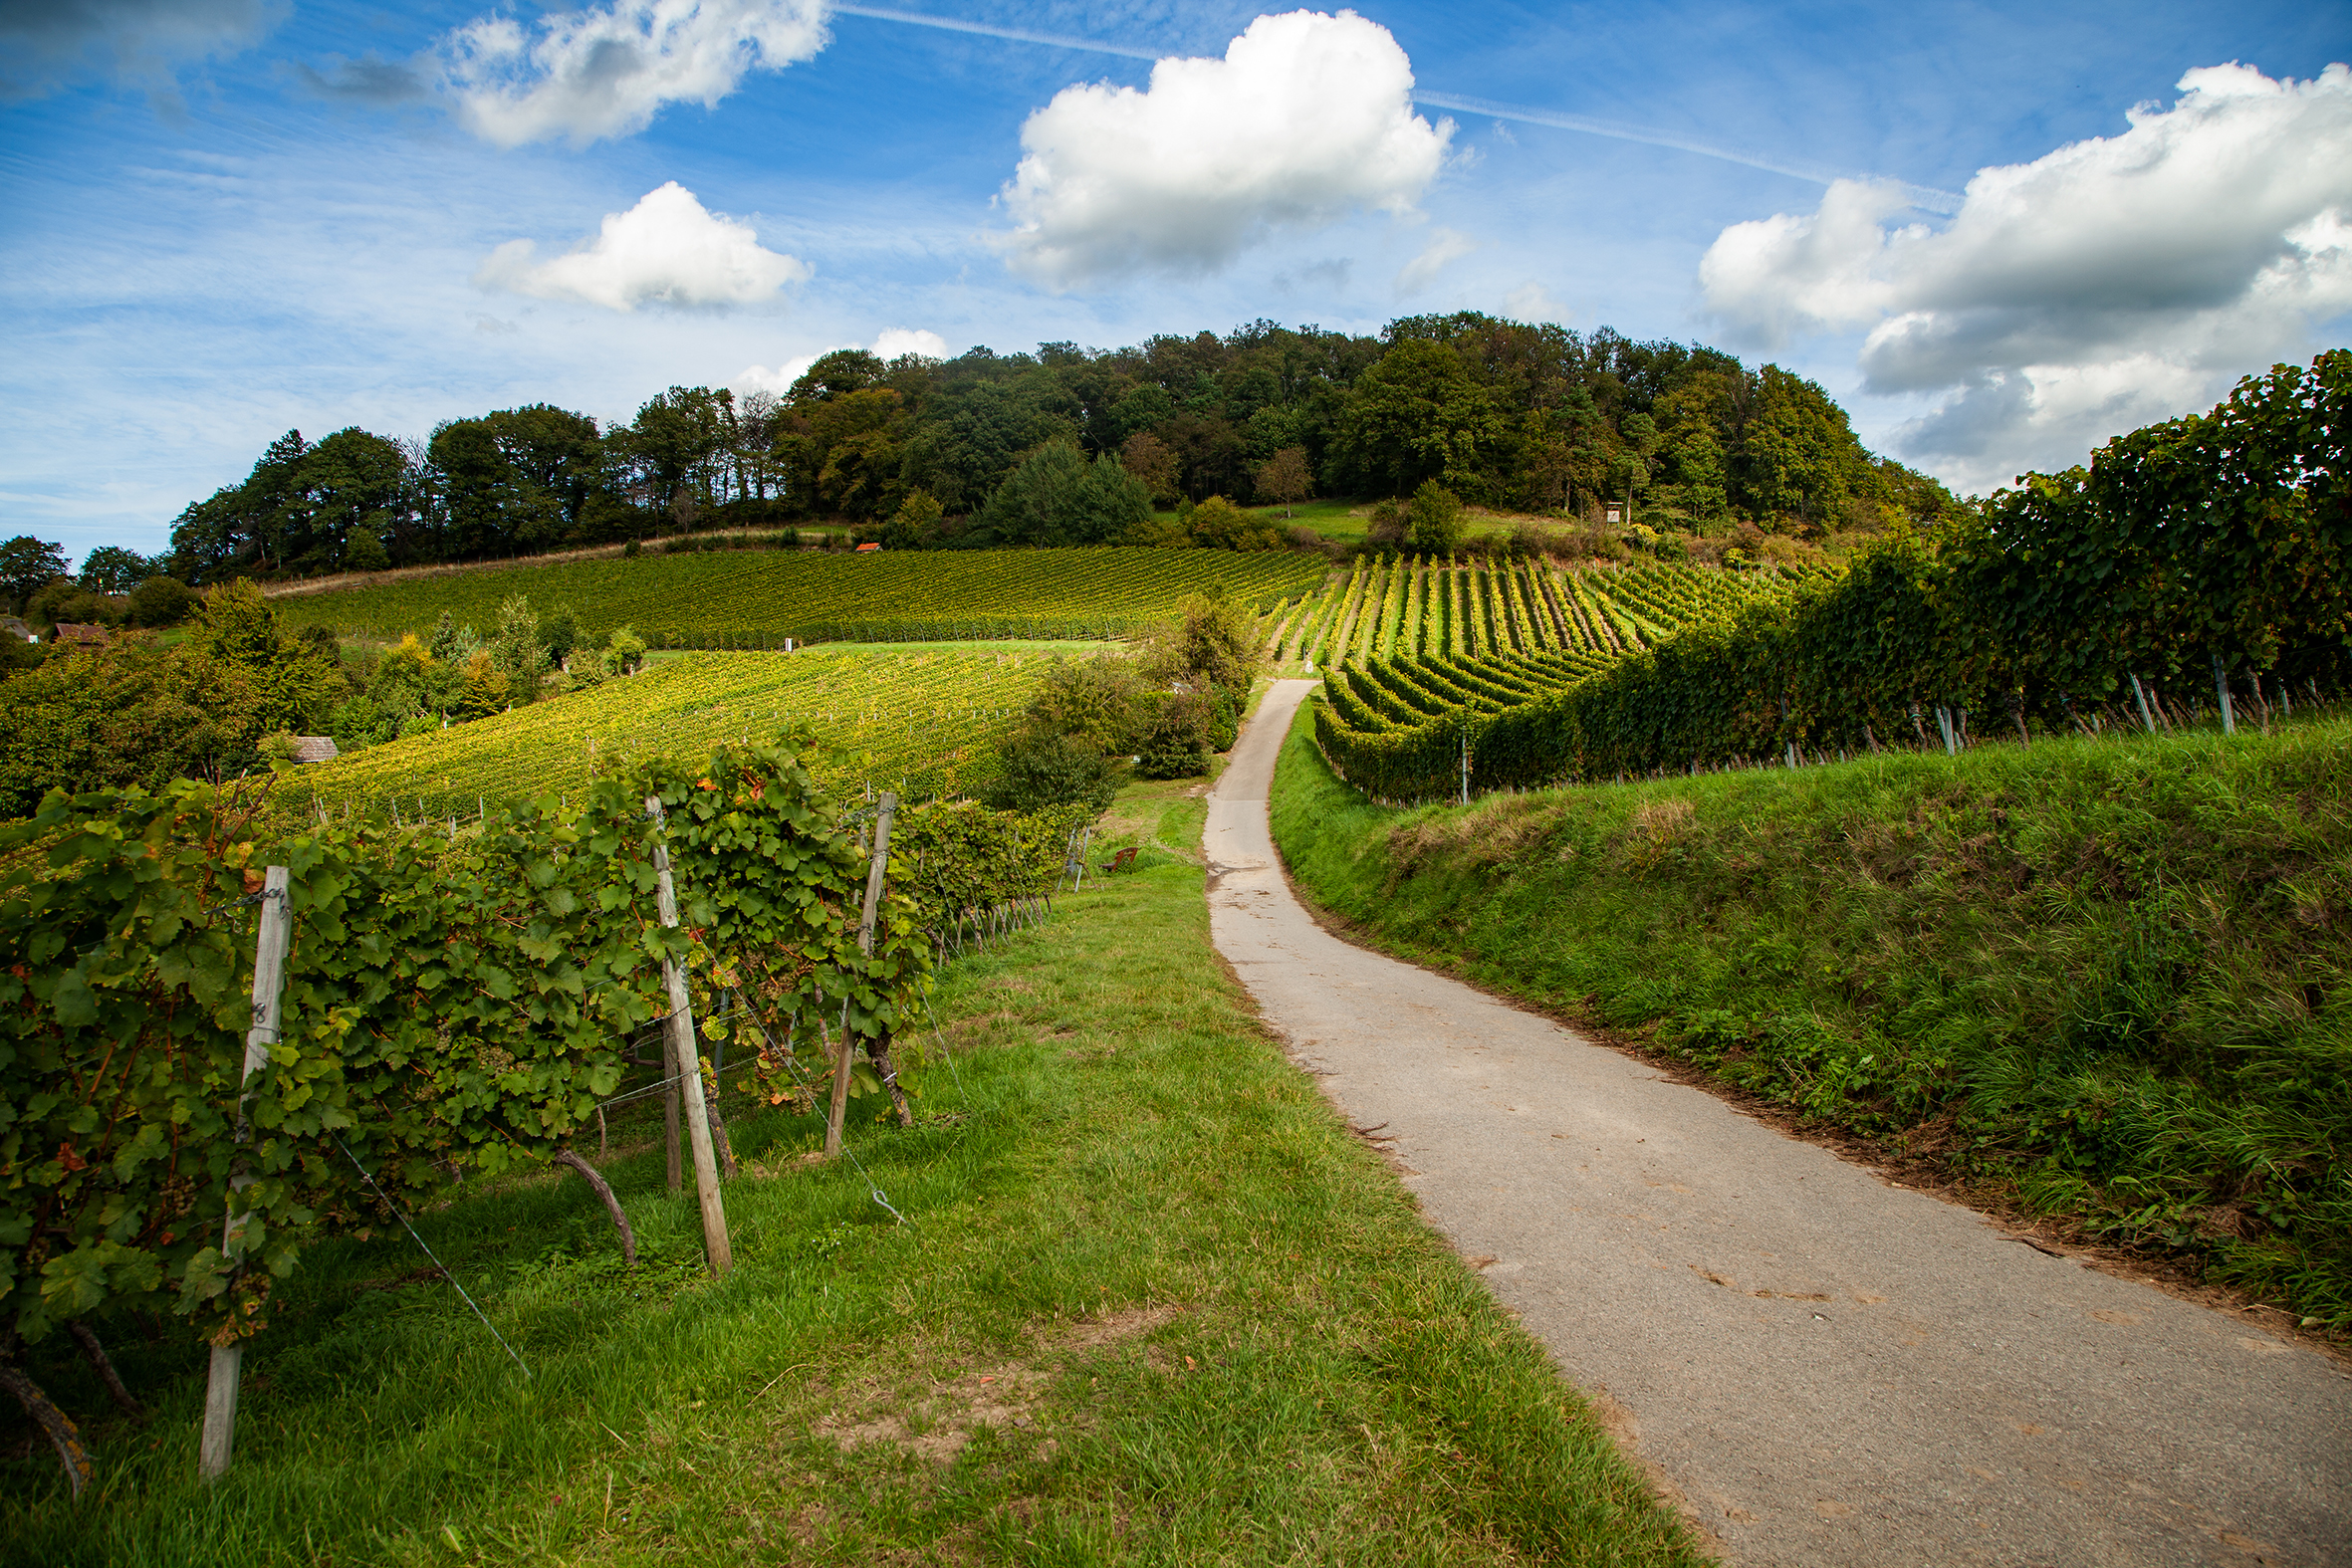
[1170,1310]
[2111,980]
[758,598]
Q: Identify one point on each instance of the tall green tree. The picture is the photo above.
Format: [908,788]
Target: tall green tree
[27,566]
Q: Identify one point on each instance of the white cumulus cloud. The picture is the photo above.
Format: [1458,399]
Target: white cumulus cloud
[1307,118]
[606,71]
[2114,282]
[666,249]
[888,345]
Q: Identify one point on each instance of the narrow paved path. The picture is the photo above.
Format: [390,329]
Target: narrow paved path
[1832,1369]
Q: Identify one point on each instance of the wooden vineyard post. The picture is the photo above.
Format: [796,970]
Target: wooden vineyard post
[874,871]
[686,1063]
[675,1171]
[2221,690]
[269,980]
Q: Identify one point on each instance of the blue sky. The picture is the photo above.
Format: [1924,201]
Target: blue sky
[228,218]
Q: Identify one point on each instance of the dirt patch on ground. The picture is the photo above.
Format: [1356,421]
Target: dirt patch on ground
[938,1422]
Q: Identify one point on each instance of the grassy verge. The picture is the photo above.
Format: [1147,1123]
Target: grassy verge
[1153,1304]
[2113,979]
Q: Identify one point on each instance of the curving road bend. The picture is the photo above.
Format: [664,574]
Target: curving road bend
[1829,1369]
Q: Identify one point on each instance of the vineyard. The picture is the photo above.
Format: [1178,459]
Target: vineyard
[449,1005]
[1387,608]
[920,722]
[758,599]
[1418,657]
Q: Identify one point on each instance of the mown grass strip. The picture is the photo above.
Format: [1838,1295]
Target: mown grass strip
[1155,1305]
[2109,978]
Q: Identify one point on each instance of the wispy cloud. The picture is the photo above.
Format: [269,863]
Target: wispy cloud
[1445,244]
[45,44]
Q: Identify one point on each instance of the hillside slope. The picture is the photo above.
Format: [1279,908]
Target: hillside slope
[758,598]
[2112,977]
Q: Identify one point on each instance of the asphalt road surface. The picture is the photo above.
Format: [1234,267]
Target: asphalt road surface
[1829,1369]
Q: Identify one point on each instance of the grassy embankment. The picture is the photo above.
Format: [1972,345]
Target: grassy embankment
[2110,979]
[1153,1304]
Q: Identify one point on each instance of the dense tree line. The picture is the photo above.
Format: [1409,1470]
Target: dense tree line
[1537,418]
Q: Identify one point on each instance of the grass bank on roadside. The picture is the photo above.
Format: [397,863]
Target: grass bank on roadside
[2114,976]
[1151,1304]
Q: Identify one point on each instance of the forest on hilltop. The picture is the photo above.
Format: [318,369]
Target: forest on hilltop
[1526,417]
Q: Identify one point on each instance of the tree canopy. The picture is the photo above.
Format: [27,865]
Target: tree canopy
[1501,413]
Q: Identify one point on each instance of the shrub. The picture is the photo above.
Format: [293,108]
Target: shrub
[1039,768]
[1387,531]
[1220,524]
[162,601]
[1178,742]
[1436,518]
[1095,701]
[915,525]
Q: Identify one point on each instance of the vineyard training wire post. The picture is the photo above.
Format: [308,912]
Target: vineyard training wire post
[269,982]
[687,1064]
[879,867]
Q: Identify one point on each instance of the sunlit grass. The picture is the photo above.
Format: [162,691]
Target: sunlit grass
[1151,1303]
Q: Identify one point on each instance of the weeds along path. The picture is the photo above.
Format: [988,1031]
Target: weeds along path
[1832,1370]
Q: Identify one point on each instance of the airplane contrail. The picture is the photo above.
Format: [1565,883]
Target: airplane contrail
[1018,35]
[1926,197]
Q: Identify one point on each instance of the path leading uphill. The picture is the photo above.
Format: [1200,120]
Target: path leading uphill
[1832,1370]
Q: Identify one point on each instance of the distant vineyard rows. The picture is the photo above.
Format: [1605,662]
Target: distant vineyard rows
[920,721]
[1414,653]
[1396,609]
[757,599]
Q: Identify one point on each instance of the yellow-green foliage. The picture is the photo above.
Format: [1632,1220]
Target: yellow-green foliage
[919,721]
[758,598]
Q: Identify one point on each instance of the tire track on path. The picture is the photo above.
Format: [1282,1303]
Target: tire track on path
[1832,1370]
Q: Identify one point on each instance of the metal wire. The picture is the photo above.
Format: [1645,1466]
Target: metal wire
[428,1251]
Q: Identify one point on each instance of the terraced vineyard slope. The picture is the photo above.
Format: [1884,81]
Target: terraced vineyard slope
[920,720]
[1414,655]
[725,599]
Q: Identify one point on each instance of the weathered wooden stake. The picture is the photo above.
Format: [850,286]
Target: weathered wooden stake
[875,870]
[2221,690]
[269,977]
[688,1066]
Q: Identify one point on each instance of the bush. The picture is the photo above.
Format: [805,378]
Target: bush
[1095,701]
[1387,531]
[1039,768]
[16,654]
[1178,742]
[632,548]
[162,601]
[1218,523]
[1529,540]
[915,525]
[1160,531]
[1436,518]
